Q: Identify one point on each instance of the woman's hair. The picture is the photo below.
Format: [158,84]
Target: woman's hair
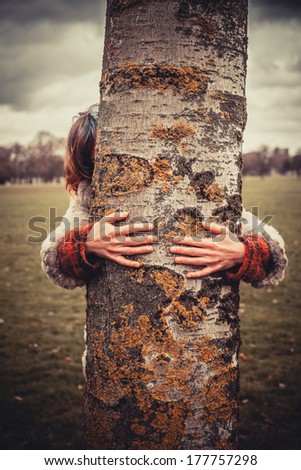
[79,160]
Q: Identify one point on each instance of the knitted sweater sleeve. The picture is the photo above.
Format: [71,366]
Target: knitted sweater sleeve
[72,255]
[76,218]
[265,260]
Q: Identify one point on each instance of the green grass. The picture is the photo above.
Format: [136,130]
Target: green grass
[271,329]
[42,332]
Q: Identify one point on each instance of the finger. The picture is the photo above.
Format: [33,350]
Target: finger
[126,262]
[190,251]
[214,228]
[132,228]
[115,216]
[203,272]
[193,241]
[140,240]
[138,250]
[189,260]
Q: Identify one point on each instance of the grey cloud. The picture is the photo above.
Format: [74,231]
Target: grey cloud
[31,11]
[34,51]
[277,9]
[30,65]
[296,66]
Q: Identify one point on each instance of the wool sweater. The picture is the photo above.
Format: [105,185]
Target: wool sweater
[65,263]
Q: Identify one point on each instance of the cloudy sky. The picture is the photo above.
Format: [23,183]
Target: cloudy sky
[51,51]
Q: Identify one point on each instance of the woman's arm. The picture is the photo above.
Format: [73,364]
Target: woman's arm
[223,251]
[257,256]
[275,269]
[82,251]
[75,249]
[76,217]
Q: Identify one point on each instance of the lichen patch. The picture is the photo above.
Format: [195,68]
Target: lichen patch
[163,174]
[122,174]
[172,284]
[189,81]
[173,134]
[214,192]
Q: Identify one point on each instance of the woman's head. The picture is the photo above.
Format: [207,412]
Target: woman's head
[79,161]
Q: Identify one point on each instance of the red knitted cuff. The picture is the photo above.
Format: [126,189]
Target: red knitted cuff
[255,263]
[72,254]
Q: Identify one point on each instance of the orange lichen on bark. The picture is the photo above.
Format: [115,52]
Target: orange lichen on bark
[169,236]
[173,286]
[225,115]
[185,147]
[189,189]
[163,173]
[128,309]
[188,318]
[189,225]
[138,429]
[119,174]
[214,192]
[173,134]
[136,275]
[206,351]
[218,95]
[189,81]
[148,366]
[201,114]
[206,28]
[204,301]
[219,404]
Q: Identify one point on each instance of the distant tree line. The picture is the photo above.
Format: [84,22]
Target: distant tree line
[42,161]
[39,161]
[266,161]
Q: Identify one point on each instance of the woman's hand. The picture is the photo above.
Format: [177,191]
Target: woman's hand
[218,253]
[112,242]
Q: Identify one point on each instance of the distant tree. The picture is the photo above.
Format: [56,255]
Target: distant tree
[40,159]
[45,157]
[296,163]
[5,165]
[18,162]
[280,160]
[256,164]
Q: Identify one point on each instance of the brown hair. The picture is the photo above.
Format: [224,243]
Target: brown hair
[79,160]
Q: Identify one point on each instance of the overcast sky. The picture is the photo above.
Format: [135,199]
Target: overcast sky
[51,54]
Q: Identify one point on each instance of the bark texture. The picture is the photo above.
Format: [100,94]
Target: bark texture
[162,368]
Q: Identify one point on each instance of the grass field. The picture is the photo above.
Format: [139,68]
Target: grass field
[41,329]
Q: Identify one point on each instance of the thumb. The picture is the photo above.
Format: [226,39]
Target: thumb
[214,228]
[115,216]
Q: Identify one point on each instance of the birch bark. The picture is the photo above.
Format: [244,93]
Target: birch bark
[162,369]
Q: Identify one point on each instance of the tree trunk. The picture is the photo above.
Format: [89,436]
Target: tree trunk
[162,369]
